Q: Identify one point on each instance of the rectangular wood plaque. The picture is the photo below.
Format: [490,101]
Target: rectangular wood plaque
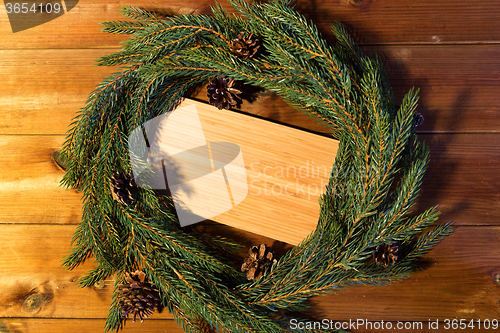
[286,171]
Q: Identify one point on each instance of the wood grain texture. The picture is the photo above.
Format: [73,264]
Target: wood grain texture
[458,84]
[29,182]
[49,325]
[285,170]
[43,89]
[462,166]
[462,178]
[406,21]
[373,22]
[80,27]
[458,88]
[449,49]
[35,285]
[454,282]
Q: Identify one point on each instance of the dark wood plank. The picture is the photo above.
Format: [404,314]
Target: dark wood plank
[456,281]
[458,84]
[462,178]
[373,22]
[406,21]
[43,89]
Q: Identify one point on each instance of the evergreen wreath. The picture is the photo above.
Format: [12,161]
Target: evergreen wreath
[366,233]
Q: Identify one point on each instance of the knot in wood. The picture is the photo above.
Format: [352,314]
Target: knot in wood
[34,302]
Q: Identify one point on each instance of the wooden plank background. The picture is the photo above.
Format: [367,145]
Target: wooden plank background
[449,49]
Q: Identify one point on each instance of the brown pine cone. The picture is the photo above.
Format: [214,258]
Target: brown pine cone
[222,93]
[138,297]
[386,254]
[244,47]
[122,188]
[256,262]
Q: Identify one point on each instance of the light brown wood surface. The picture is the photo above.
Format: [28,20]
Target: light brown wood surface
[31,193]
[31,267]
[449,49]
[284,171]
[49,325]
[458,87]
[36,325]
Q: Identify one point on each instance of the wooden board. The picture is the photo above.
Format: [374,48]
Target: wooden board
[286,171]
[24,325]
[32,102]
[454,283]
[457,280]
[373,22]
[31,262]
[37,325]
[29,186]
[462,166]
[449,49]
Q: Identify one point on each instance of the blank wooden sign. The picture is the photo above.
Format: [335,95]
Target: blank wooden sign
[241,171]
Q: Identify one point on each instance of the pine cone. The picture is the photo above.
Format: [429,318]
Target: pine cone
[419,119]
[138,297]
[256,262]
[221,93]
[122,188]
[244,47]
[386,254]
